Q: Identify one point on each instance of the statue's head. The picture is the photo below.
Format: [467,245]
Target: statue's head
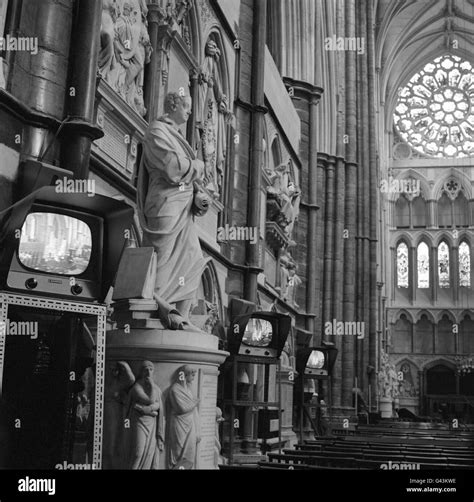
[178,107]
[127,9]
[146,369]
[186,373]
[212,49]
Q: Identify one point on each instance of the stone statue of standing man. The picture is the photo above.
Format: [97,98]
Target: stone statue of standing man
[183,432]
[147,420]
[170,177]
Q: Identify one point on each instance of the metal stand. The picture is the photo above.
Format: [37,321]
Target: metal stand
[7,299]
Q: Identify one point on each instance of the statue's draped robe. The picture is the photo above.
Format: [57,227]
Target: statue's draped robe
[145,431]
[182,427]
[165,195]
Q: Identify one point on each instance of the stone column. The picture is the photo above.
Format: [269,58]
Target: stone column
[287,378]
[375,205]
[306,98]
[256,147]
[39,81]
[80,130]
[153,76]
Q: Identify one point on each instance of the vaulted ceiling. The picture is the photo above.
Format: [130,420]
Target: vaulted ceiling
[411,33]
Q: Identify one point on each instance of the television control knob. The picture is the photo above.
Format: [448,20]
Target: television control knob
[267,353]
[31,283]
[76,289]
[247,351]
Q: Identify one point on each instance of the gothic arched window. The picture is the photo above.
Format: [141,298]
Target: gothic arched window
[423,340]
[402,213]
[402,266]
[419,212]
[435,110]
[423,265]
[464,265]
[445,218]
[461,211]
[443,265]
[444,338]
[402,339]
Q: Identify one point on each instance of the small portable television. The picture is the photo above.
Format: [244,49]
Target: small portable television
[316,362]
[63,245]
[259,334]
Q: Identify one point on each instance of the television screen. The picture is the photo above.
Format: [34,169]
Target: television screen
[258,333]
[55,243]
[316,360]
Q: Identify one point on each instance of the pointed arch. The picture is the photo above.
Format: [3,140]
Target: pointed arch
[425,190]
[403,265]
[426,313]
[445,314]
[464,265]
[423,264]
[396,315]
[444,264]
[402,212]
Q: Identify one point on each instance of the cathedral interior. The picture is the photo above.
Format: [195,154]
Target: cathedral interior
[236,234]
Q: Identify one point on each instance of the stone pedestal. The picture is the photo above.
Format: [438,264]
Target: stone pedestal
[385,406]
[140,336]
[287,378]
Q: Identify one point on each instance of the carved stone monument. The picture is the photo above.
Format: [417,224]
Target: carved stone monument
[154,325]
[125,49]
[183,433]
[169,197]
[212,117]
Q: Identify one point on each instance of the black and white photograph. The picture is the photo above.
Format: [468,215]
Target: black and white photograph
[237,236]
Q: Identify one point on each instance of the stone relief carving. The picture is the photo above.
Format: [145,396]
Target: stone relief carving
[125,49]
[283,200]
[388,383]
[135,438]
[218,458]
[408,386]
[183,428]
[212,117]
[145,411]
[289,279]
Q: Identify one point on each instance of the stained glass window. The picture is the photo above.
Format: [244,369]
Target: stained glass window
[443,265]
[423,262]
[435,110]
[464,265]
[402,265]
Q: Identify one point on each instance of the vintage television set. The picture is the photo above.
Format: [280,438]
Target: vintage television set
[65,245]
[316,362]
[259,334]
